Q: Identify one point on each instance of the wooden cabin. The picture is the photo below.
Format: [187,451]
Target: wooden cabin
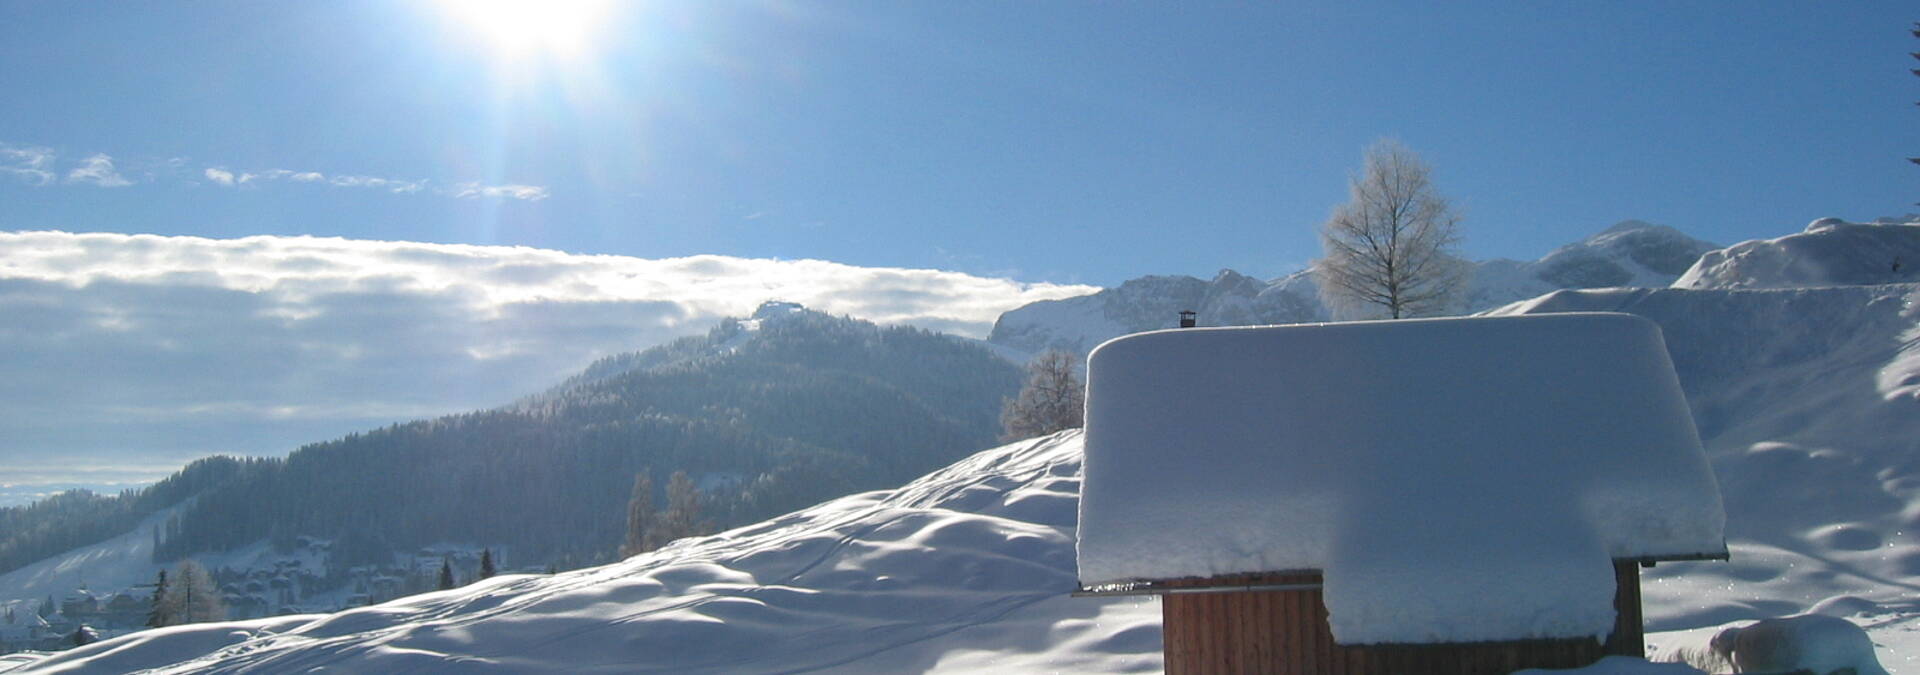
[1454,496]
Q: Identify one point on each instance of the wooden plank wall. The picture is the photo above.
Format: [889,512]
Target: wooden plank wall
[1286,632]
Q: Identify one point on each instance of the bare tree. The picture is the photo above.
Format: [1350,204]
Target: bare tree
[682,517]
[187,596]
[1053,399]
[1390,247]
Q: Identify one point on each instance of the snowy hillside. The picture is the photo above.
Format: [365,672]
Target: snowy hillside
[1631,253]
[770,413]
[965,569]
[1808,401]
[1152,303]
[1831,252]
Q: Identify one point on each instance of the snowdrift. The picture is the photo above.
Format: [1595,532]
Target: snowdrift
[1830,252]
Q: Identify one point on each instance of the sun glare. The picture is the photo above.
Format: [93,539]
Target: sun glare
[522,27]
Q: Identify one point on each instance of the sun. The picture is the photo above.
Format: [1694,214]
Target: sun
[520,28]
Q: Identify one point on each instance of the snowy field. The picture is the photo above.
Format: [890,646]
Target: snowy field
[1807,397]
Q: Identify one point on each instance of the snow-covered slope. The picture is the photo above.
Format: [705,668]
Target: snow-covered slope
[1631,253]
[967,569]
[1830,252]
[1151,303]
[114,564]
[1808,401]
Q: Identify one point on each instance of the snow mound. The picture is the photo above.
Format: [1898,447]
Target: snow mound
[1830,252]
[1807,643]
[966,569]
[1434,469]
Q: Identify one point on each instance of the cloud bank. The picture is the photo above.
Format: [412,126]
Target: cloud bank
[142,350]
[36,166]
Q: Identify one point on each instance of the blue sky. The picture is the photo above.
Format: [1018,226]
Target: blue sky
[1068,142]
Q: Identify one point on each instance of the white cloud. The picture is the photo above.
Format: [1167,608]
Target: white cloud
[33,165]
[183,345]
[97,170]
[532,193]
[389,184]
[467,190]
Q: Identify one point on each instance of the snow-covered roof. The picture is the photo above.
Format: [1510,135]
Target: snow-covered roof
[1432,469]
[23,618]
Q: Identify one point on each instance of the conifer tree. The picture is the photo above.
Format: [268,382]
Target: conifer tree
[446,574]
[158,617]
[639,516]
[486,563]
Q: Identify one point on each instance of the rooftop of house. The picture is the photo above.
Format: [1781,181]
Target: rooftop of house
[1430,469]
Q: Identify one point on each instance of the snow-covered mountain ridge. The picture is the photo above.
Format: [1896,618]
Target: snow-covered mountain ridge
[1631,253]
[1830,252]
[769,413]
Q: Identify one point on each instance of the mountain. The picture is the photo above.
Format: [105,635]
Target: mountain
[768,414]
[1151,303]
[1830,252]
[1631,253]
[1807,400]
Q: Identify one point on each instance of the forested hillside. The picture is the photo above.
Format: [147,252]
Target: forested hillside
[769,414]
[80,517]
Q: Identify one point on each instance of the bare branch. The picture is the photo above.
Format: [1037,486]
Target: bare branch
[1391,244]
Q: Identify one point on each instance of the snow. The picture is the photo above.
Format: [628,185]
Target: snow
[1618,665]
[118,563]
[126,561]
[968,569]
[1434,469]
[1811,642]
[1830,252]
[1799,397]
